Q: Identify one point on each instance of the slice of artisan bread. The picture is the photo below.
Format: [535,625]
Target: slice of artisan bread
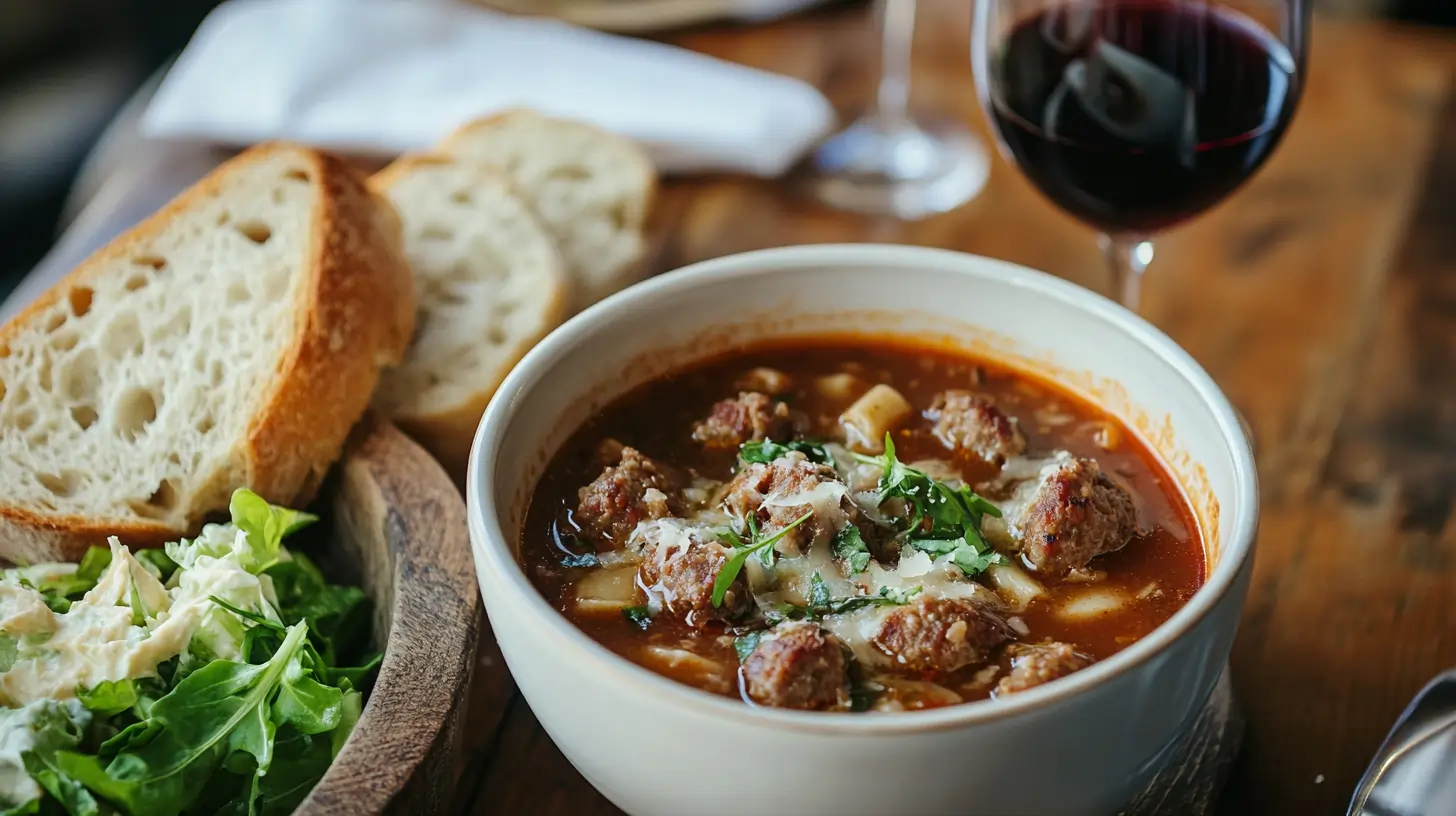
[230,340]
[490,284]
[592,189]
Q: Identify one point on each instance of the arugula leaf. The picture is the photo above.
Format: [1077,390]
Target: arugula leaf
[767,450]
[299,762]
[352,708]
[9,650]
[942,520]
[730,570]
[745,644]
[818,592]
[850,547]
[60,591]
[157,562]
[640,616]
[353,675]
[337,616]
[109,697]
[216,710]
[55,727]
[266,526]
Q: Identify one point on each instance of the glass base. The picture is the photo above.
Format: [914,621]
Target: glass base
[901,169]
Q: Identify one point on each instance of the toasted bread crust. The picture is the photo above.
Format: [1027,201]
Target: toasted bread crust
[360,297]
[354,315]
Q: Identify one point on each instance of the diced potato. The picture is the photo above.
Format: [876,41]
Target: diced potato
[606,590]
[1016,586]
[1092,603]
[767,380]
[842,386]
[872,416]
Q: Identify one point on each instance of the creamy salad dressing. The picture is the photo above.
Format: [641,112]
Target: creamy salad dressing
[129,623]
[18,727]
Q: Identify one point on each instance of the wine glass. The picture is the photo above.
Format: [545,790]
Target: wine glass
[1135,115]
[887,163]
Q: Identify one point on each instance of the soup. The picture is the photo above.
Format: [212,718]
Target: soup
[846,525]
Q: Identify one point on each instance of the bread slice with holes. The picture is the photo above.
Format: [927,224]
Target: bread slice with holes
[231,340]
[490,284]
[591,188]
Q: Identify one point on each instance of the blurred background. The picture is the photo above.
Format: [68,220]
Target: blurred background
[68,66]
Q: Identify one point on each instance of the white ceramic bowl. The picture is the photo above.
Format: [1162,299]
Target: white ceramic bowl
[1081,745]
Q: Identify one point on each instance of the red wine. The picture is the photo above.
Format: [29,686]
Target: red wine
[1134,115]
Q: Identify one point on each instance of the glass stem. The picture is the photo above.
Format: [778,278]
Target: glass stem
[897,24]
[1127,257]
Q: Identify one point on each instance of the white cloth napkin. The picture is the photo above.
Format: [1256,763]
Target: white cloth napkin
[388,76]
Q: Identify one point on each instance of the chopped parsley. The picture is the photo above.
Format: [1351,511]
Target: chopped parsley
[742,551]
[821,605]
[767,450]
[640,616]
[850,547]
[745,644]
[942,520]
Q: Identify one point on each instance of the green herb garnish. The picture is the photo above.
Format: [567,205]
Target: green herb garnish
[767,450]
[745,644]
[821,605]
[850,547]
[741,552]
[942,520]
[640,616]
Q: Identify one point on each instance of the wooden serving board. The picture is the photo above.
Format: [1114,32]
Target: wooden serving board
[395,525]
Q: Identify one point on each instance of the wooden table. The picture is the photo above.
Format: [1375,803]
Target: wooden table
[1322,298]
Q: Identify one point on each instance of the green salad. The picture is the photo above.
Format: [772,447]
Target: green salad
[220,674]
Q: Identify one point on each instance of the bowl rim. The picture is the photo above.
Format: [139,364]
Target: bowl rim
[495,554]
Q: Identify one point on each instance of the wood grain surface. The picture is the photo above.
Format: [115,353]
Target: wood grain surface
[398,530]
[1321,297]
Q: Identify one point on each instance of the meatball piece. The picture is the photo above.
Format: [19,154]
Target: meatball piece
[969,422]
[634,489]
[942,634]
[1076,514]
[679,568]
[798,665]
[751,416]
[1033,665]
[779,492]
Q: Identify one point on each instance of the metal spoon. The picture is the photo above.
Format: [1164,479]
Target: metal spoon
[1412,774]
